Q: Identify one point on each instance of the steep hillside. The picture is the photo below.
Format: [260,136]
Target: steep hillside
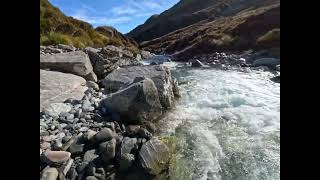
[255,27]
[56,28]
[188,12]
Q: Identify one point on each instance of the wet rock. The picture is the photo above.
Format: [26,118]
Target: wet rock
[154,156]
[269,62]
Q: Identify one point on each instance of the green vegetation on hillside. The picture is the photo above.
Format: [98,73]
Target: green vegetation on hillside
[56,28]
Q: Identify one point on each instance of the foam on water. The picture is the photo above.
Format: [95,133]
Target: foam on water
[230,124]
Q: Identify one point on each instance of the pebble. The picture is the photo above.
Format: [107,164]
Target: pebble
[45,146]
[83,129]
[49,174]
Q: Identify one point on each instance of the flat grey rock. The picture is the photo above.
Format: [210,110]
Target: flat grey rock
[56,87]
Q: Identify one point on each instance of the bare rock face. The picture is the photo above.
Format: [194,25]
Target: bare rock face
[77,63]
[154,156]
[56,87]
[136,103]
[161,76]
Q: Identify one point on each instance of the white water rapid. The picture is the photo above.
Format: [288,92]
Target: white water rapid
[229,123]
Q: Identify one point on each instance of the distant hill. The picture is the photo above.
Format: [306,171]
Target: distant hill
[199,26]
[55,28]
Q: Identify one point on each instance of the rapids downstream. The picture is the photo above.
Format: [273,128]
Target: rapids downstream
[228,123]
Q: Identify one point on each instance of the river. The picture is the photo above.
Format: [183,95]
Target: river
[227,123]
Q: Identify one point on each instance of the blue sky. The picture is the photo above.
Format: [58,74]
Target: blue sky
[124,15]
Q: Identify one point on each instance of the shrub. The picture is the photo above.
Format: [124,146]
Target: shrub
[55,38]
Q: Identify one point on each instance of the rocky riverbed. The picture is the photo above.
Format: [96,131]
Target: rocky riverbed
[99,110]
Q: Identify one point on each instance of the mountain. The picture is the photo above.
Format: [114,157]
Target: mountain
[202,26]
[57,28]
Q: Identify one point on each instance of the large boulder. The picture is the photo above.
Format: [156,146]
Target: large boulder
[269,62]
[134,104]
[110,58]
[56,87]
[154,156]
[77,63]
[160,75]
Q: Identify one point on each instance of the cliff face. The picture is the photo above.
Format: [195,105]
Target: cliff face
[57,28]
[191,28]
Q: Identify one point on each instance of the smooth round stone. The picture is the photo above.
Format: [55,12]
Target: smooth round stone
[53,127]
[90,134]
[108,150]
[90,155]
[76,148]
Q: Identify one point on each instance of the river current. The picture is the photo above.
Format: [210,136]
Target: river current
[227,123]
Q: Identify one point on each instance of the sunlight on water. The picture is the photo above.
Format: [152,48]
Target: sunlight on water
[229,122]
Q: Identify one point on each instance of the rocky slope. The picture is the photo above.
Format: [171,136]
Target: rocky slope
[198,27]
[56,28]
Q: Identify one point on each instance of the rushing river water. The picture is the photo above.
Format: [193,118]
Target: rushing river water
[228,123]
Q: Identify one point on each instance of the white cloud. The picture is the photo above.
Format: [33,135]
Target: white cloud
[97,20]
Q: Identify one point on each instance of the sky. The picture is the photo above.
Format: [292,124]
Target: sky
[124,15]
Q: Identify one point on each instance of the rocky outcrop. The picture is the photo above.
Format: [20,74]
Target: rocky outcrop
[56,87]
[77,63]
[160,75]
[136,103]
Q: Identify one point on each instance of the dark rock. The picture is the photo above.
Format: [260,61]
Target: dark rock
[91,178]
[126,161]
[72,174]
[90,155]
[197,63]
[143,133]
[269,62]
[105,134]
[108,150]
[151,127]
